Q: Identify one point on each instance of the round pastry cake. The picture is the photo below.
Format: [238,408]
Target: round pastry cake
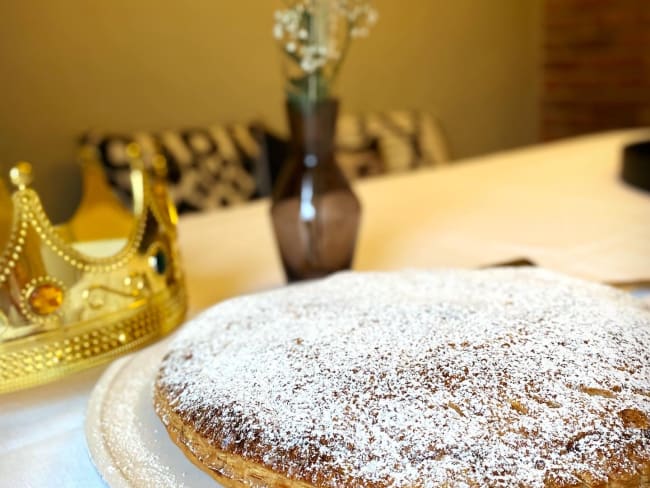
[494,378]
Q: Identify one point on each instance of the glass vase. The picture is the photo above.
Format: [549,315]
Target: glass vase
[315,213]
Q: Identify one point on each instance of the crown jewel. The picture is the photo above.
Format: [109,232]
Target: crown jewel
[104,283]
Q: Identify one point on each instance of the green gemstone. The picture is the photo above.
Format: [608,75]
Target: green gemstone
[159,262]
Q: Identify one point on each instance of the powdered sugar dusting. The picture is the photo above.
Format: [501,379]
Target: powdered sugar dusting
[506,377]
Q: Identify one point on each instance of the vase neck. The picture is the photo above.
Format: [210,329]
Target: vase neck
[313,130]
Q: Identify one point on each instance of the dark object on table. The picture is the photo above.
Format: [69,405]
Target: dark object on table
[514,263]
[315,213]
[636,165]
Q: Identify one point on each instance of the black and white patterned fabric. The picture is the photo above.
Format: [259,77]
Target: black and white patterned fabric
[388,142]
[221,166]
[207,168]
[378,143]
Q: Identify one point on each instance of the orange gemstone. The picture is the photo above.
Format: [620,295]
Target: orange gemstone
[46,299]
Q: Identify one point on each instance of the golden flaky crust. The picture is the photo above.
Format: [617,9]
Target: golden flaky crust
[295,407]
[229,470]
[233,471]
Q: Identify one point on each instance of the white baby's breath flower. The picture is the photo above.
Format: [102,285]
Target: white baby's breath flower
[315,34]
[308,65]
[373,16]
[357,32]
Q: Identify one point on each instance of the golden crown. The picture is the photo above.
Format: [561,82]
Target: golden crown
[106,282]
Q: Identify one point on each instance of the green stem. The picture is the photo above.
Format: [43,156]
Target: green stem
[311,87]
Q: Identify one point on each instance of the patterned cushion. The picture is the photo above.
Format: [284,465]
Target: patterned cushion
[378,142]
[397,141]
[208,168]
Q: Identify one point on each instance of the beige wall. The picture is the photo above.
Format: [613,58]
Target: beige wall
[69,65]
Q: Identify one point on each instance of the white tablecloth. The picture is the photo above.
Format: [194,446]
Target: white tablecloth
[560,205]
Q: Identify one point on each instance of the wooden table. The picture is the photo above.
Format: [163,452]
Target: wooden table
[560,205]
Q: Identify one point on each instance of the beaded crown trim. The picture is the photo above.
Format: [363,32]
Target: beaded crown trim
[104,283]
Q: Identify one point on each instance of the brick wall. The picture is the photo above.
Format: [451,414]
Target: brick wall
[596,66]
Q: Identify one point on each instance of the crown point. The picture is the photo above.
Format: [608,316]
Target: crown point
[159,165]
[21,175]
[133,151]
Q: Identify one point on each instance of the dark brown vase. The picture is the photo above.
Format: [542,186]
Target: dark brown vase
[315,213]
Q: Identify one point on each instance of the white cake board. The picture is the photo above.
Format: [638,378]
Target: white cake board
[127,442]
